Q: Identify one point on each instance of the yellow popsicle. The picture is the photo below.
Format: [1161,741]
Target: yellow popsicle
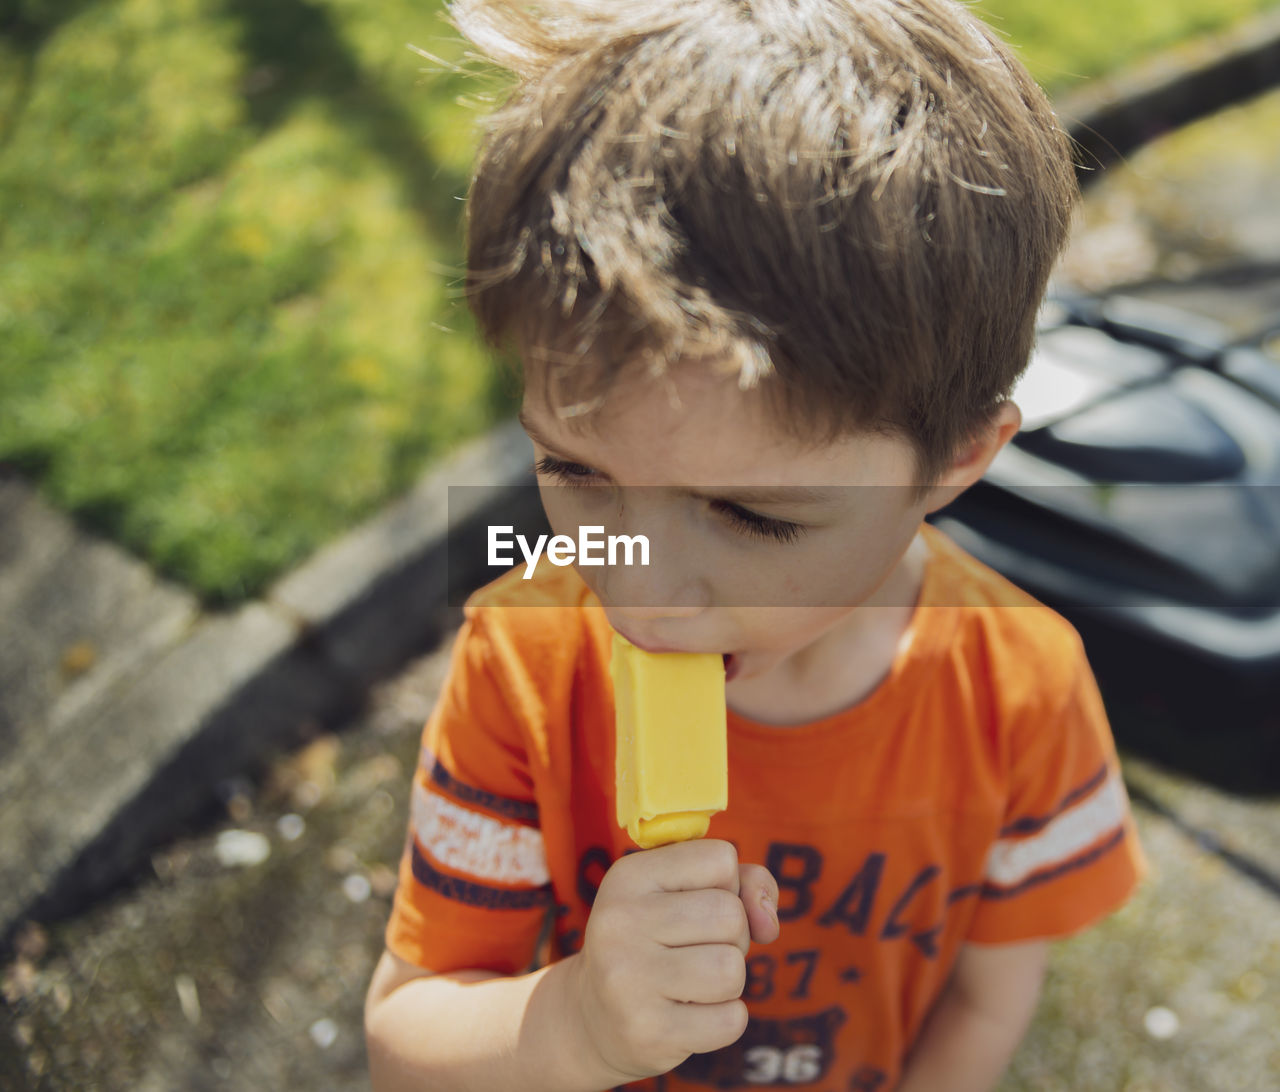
[672,749]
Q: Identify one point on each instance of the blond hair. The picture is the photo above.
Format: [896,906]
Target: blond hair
[855,203]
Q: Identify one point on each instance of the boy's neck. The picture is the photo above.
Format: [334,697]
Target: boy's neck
[847,663]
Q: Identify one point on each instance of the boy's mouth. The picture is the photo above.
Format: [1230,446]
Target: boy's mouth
[731,661]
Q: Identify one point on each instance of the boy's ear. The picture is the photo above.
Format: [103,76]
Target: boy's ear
[975,455]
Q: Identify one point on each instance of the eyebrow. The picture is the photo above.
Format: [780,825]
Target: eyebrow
[745,495]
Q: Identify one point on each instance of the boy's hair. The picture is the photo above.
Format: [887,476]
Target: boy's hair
[854,203]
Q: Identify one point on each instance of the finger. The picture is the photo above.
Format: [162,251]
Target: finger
[758,892]
[684,866]
[703,1028]
[713,916]
[707,974]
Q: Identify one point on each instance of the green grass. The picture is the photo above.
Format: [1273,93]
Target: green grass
[227,326]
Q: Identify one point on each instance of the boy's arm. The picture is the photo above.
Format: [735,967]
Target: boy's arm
[660,975]
[979,1020]
[474,1030]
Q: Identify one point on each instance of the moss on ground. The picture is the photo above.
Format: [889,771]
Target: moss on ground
[227,295]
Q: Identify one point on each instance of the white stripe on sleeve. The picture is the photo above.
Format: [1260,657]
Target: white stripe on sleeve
[477,844]
[1012,860]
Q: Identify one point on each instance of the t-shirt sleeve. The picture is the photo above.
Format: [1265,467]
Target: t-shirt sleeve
[474,888]
[1067,853]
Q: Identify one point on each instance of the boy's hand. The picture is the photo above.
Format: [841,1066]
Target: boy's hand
[663,963]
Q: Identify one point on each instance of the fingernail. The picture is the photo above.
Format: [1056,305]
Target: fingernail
[770,907]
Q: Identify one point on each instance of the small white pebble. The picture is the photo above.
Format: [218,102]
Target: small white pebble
[1161,1023]
[291,826]
[357,887]
[241,848]
[188,997]
[324,1033]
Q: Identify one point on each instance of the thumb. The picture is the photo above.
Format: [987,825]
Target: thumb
[758,891]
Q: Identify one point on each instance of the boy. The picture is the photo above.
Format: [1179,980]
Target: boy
[780,261]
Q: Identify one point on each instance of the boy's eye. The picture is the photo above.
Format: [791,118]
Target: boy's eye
[566,473]
[743,520]
[757,526]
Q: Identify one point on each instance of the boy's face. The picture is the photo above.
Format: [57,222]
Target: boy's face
[761,547]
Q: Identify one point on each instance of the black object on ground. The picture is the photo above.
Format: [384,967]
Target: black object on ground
[1142,499]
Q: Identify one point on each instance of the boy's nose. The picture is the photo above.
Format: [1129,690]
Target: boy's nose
[650,593]
[672,585]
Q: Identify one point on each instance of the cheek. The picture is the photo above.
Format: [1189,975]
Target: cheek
[554,506]
[833,577]
[567,508]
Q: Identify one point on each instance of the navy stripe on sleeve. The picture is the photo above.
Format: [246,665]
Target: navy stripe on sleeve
[521,811]
[995,891]
[476,894]
[1031,824]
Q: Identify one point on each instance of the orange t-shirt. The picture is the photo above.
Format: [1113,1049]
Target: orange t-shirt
[973,796]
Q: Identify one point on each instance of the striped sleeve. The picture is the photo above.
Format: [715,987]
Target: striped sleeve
[1067,853]
[474,888]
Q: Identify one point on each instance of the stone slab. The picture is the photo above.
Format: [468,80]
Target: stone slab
[98,768]
[78,815]
[77,616]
